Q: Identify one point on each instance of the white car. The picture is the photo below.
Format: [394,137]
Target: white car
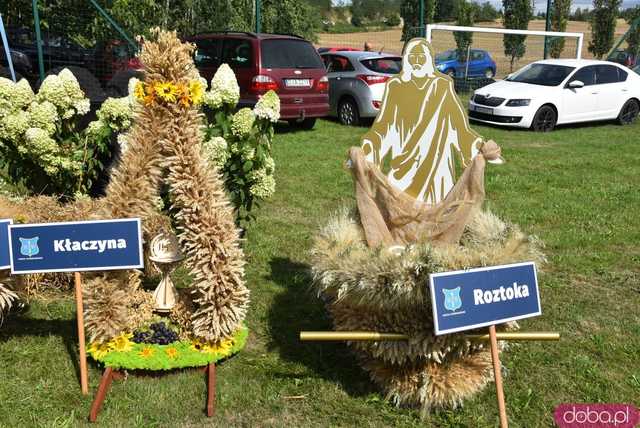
[550,92]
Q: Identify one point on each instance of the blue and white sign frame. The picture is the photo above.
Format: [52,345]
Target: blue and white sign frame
[5,257]
[76,246]
[469,299]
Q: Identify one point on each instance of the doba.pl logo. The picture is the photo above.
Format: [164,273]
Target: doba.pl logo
[596,416]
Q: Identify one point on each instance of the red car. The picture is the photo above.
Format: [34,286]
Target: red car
[287,64]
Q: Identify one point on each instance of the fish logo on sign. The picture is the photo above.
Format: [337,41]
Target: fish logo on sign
[452,300]
[29,246]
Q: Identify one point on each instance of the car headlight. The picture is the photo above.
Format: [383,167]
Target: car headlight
[518,102]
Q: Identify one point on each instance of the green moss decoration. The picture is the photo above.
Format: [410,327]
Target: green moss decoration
[185,353]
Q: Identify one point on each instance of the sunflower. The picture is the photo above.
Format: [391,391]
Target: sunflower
[166,91]
[197,91]
[139,91]
[171,352]
[121,343]
[146,352]
[99,350]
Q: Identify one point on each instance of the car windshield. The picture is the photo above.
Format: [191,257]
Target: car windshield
[289,53]
[388,65]
[446,56]
[542,74]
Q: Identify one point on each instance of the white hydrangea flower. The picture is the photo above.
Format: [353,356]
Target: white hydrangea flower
[131,90]
[213,100]
[216,150]
[13,126]
[242,122]
[224,84]
[82,106]
[247,153]
[268,107]
[123,142]
[43,115]
[39,143]
[263,185]
[7,91]
[269,165]
[23,94]
[116,113]
[94,127]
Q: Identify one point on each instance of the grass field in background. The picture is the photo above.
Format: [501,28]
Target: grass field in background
[576,188]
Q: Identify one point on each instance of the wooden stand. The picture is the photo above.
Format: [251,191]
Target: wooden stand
[110,375]
[84,374]
[497,372]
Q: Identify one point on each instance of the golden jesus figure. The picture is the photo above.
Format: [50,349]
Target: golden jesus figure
[423,126]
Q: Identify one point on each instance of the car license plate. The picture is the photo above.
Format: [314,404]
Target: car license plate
[483,110]
[297,83]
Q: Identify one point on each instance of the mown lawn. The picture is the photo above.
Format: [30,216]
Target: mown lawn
[576,188]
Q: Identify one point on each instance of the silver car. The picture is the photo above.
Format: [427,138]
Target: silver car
[356,82]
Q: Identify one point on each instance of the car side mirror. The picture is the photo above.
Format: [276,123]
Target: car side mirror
[576,84]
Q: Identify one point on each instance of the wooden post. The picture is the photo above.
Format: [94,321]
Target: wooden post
[105,383]
[84,375]
[211,389]
[495,356]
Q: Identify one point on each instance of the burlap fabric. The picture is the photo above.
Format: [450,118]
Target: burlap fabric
[391,217]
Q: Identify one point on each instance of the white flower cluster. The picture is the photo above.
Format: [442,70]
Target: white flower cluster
[263,184]
[116,113]
[217,151]
[268,107]
[224,89]
[63,91]
[242,122]
[14,96]
[41,146]
[43,115]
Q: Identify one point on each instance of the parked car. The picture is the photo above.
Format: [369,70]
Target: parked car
[623,57]
[637,69]
[560,91]
[357,81]
[480,64]
[287,64]
[336,49]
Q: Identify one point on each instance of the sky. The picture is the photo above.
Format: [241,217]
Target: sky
[541,5]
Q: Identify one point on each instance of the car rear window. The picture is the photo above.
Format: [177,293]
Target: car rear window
[388,65]
[286,53]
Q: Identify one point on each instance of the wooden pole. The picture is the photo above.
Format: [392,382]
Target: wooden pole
[105,383]
[495,356]
[84,375]
[211,389]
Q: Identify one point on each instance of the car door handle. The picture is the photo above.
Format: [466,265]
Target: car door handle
[625,90]
[595,93]
[338,78]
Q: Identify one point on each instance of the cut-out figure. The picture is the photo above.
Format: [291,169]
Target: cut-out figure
[423,126]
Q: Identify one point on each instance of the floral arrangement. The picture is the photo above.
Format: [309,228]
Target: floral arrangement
[239,144]
[159,348]
[41,144]
[169,92]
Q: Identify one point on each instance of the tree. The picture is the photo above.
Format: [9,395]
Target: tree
[633,38]
[559,17]
[485,12]
[516,15]
[410,12]
[603,26]
[464,12]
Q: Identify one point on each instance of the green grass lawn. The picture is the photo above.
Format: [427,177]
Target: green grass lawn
[576,188]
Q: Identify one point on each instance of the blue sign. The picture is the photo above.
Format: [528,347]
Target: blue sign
[75,246]
[468,299]
[5,262]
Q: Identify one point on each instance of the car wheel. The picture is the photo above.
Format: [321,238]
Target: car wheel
[629,112]
[348,113]
[545,119]
[489,73]
[305,124]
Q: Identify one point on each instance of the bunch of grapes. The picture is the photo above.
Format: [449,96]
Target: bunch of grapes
[158,334]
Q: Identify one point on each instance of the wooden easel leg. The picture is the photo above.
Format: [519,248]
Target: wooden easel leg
[211,389]
[84,373]
[105,383]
